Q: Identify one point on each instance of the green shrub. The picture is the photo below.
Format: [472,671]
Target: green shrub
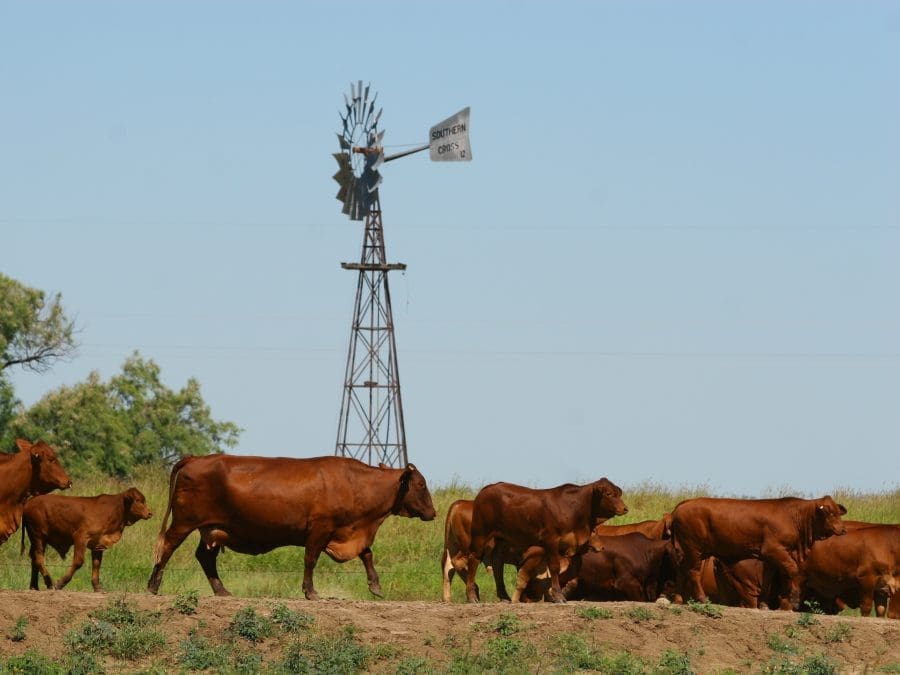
[132,641]
[782,645]
[592,613]
[17,632]
[414,665]
[674,663]
[120,613]
[187,602]
[507,624]
[91,637]
[340,653]
[250,625]
[196,653]
[639,614]
[83,664]
[33,662]
[246,661]
[290,621]
[135,642]
[840,632]
[706,609]
[890,668]
[807,619]
[819,664]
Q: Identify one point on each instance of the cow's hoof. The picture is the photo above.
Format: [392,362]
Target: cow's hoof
[375,589]
[311,595]
[222,593]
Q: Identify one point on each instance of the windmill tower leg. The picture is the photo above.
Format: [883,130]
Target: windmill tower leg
[370,427]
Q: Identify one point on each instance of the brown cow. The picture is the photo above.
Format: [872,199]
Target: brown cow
[652,529]
[256,504]
[33,470]
[861,569]
[94,523]
[742,583]
[558,521]
[777,531]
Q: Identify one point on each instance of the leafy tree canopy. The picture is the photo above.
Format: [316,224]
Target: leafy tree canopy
[132,419]
[34,332]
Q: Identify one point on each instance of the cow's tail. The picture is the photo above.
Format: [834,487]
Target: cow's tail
[158,548]
[22,547]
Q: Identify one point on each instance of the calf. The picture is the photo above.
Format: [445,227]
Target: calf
[551,526]
[779,532]
[94,523]
[861,569]
[622,567]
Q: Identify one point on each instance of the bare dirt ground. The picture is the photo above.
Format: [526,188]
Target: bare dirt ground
[738,640]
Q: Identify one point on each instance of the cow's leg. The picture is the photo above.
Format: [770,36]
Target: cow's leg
[497,571]
[314,548]
[475,553]
[77,562]
[881,603]
[371,574]
[37,565]
[525,574]
[867,595]
[690,577]
[553,565]
[207,558]
[166,545]
[790,576]
[447,572]
[96,561]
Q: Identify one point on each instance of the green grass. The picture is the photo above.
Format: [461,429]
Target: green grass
[407,551]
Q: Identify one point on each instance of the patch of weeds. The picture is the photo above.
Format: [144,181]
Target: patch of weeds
[592,613]
[17,632]
[624,663]
[639,614]
[573,653]
[819,664]
[135,642]
[507,624]
[781,666]
[706,609]
[186,603]
[289,621]
[340,653]
[386,651]
[196,653]
[676,609]
[840,632]
[791,632]
[674,663]
[413,665]
[247,661]
[120,613]
[83,664]
[91,637]
[889,668]
[250,625]
[506,654]
[807,619]
[782,645]
[33,662]
[813,606]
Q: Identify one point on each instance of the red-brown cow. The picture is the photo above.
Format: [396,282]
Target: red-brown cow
[777,531]
[652,529]
[743,583]
[628,566]
[255,504]
[87,523]
[558,521]
[860,569]
[33,470]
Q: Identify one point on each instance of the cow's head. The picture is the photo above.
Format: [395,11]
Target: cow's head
[47,473]
[606,501]
[135,506]
[828,518]
[413,497]
[595,543]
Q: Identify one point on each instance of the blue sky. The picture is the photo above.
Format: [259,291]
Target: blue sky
[673,258]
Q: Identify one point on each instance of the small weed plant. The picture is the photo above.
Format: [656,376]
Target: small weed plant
[840,632]
[17,632]
[289,621]
[507,624]
[249,625]
[782,645]
[186,603]
[674,663]
[806,620]
[592,613]
[706,609]
[639,614]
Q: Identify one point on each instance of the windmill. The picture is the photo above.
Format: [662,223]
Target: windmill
[370,425]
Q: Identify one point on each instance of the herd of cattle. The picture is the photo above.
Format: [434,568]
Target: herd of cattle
[786,553]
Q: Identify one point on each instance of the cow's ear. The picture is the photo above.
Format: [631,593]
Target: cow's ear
[842,509]
[23,445]
[411,467]
[382,465]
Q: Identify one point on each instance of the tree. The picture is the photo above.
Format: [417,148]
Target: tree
[8,408]
[132,420]
[34,332]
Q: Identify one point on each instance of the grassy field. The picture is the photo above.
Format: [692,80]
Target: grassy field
[407,552]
